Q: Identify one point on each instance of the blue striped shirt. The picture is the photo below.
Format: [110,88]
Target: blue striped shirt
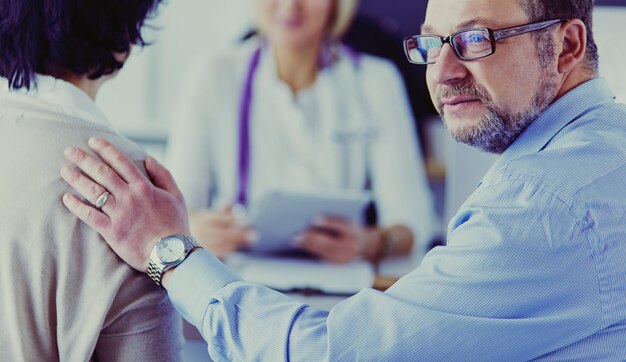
[534,267]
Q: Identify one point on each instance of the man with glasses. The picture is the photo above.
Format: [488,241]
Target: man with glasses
[535,261]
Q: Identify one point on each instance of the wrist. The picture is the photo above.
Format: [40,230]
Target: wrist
[168,253]
[165,278]
[387,242]
[373,242]
[395,240]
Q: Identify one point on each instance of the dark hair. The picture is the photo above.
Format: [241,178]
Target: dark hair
[67,37]
[566,9]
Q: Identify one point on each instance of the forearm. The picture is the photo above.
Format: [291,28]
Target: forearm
[472,290]
[397,240]
[388,241]
[243,321]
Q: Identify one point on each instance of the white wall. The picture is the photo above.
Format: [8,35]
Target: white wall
[139,99]
[608,29]
[466,166]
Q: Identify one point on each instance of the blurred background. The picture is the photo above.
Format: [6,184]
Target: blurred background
[139,101]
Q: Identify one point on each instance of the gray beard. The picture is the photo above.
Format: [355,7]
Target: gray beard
[499,128]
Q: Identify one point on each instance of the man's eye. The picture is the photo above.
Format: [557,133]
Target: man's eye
[431,44]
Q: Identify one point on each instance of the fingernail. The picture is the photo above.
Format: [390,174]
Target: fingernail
[252,237]
[66,198]
[95,141]
[297,240]
[66,170]
[152,159]
[69,151]
[319,220]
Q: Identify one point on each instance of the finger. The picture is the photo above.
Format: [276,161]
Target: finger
[88,214]
[215,219]
[339,225]
[95,168]
[226,208]
[89,189]
[237,236]
[119,162]
[247,237]
[316,243]
[162,177]
[227,240]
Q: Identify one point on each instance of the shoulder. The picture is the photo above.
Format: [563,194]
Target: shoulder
[374,73]
[583,166]
[226,65]
[377,67]
[56,131]
[582,152]
[41,133]
[32,147]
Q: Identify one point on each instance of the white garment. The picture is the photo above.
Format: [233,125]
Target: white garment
[293,138]
[64,295]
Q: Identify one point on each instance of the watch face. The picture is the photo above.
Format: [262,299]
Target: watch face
[170,250]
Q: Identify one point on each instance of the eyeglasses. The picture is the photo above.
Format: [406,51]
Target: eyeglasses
[468,44]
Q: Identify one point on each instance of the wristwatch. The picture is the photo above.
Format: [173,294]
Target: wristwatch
[169,252]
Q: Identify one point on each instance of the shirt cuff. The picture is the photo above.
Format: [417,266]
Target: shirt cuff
[194,282]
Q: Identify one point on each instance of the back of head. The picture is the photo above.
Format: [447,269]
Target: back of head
[539,10]
[67,37]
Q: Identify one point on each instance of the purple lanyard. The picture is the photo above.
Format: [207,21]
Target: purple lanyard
[244,123]
[244,130]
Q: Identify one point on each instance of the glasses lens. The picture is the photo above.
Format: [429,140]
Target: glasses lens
[423,49]
[473,44]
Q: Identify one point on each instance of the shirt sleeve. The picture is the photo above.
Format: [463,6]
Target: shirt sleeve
[398,173]
[517,281]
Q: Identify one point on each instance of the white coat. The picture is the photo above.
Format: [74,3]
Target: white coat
[294,138]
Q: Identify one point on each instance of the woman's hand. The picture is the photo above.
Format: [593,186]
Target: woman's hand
[339,241]
[139,210]
[219,231]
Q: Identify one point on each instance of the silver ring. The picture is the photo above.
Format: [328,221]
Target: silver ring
[102,199]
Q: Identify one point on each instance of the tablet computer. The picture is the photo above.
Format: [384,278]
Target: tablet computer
[281,215]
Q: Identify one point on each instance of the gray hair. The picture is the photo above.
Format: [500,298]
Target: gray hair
[538,10]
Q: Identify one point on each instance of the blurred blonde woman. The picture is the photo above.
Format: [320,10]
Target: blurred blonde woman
[294,109]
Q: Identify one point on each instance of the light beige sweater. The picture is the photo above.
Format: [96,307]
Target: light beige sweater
[64,295]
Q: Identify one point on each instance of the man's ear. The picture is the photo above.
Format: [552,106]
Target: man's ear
[573,37]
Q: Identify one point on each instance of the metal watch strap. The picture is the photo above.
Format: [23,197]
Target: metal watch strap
[156,269]
[154,273]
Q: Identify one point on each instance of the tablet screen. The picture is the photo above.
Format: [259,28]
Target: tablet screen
[282,215]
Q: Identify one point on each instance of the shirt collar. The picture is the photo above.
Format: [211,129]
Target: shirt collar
[60,95]
[556,117]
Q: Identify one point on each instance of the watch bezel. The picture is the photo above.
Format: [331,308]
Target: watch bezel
[156,267]
[161,244]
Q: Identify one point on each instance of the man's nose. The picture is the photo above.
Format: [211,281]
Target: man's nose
[448,68]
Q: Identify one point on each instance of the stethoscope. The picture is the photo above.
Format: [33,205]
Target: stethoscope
[345,137]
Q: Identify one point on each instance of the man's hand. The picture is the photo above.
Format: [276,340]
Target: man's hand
[139,210]
[339,241]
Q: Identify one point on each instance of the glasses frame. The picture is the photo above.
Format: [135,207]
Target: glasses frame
[494,35]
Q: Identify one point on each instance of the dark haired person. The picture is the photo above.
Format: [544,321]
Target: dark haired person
[535,262]
[64,296]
